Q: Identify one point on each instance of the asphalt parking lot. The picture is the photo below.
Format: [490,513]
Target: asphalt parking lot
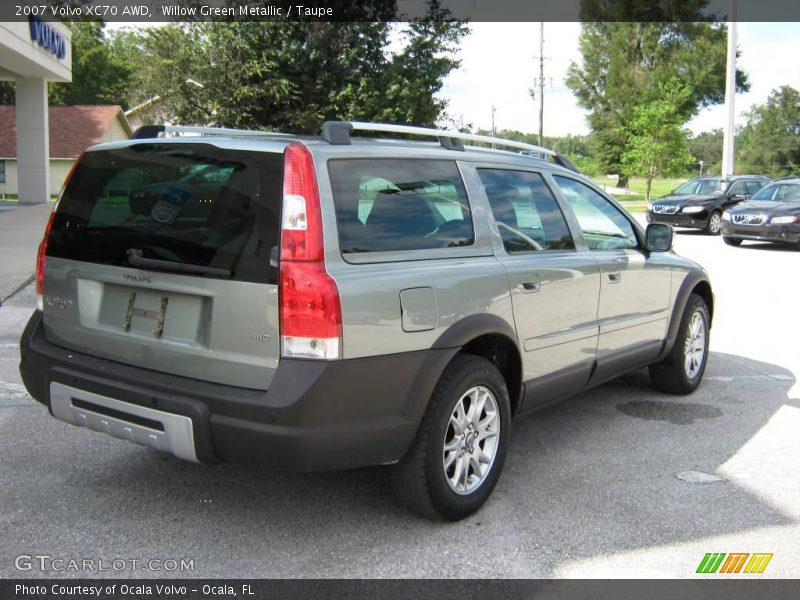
[602,485]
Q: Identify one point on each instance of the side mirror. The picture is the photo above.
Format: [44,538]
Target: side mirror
[658,237]
[739,197]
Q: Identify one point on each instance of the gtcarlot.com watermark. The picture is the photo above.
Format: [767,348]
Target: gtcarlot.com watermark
[48,563]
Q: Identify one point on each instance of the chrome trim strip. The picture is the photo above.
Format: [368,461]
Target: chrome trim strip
[665,209]
[748,219]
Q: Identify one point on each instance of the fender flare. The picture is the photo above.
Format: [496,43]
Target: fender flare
[462,332]
[694,278]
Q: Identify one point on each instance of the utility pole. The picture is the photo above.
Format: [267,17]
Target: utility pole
[541,83]
[728,137]
[494,129]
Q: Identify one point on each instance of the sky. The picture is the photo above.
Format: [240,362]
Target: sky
[498,68]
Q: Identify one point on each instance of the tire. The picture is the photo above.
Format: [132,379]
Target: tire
[421,480]
[679,373]
[731,241]
[714,223]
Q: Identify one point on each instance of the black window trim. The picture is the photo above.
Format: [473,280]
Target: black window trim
[637,228]
[480,246]
[543,174]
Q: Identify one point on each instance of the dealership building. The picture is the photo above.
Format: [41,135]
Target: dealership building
[32,53]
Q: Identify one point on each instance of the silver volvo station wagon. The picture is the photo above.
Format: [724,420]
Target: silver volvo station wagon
[340,302]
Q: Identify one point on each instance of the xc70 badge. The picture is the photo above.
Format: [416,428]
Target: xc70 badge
[57,301]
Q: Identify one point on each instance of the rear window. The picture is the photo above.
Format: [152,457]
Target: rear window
[385,205]
[190,208]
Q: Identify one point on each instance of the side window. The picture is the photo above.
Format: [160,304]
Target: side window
[526,213]
[753,186]
[738,188]
[604,227]
[385,205]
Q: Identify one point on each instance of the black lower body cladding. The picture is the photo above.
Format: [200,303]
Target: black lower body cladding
[316,415]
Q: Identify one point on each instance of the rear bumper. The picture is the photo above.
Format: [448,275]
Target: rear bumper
[316,415]
[787,234]
[694,221]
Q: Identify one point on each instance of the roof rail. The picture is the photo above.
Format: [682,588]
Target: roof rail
[152,131]
[448,139]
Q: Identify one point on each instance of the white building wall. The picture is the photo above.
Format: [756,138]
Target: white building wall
[59,169]
[11,185]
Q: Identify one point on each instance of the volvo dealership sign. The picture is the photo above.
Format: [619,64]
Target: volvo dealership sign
[47,37]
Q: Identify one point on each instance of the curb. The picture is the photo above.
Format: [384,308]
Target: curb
[18,289]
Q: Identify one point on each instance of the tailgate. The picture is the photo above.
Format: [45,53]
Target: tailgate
[159,257]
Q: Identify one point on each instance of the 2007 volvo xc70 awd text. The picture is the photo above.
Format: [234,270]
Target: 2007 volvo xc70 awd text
[340,302]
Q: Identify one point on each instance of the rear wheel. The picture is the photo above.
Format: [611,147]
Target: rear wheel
[455,460]
[732,241]
[714,223]
[682,371]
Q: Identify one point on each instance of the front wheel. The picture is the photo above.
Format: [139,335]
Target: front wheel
[714,223]
[456,458]
[682,370]
[731,241]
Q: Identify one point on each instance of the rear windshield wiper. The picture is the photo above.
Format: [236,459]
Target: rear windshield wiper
[136,259]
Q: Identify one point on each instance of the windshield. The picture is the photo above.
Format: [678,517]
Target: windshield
[779,192]
[700,186]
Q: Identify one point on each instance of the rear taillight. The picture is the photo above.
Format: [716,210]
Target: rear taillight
[41,256]
[310,311]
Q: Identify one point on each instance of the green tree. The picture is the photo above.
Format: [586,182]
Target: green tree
[623,65]
[100,74]
[707,146]
[656,145]
[770,142]
[166,74]
[293,76]
[415,75]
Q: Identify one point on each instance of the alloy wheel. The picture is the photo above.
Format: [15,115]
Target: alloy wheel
[695,347]
[471,440]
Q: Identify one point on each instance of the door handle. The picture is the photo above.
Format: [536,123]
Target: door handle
[620,260]
[530,285]
[614,277]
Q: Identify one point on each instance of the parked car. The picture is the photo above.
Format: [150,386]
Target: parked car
[700,202]
[771,215]
[345,303]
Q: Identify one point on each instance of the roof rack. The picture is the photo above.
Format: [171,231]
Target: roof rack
[339,133]
[153,131]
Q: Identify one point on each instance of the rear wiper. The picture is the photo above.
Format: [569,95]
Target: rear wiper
[136,259]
